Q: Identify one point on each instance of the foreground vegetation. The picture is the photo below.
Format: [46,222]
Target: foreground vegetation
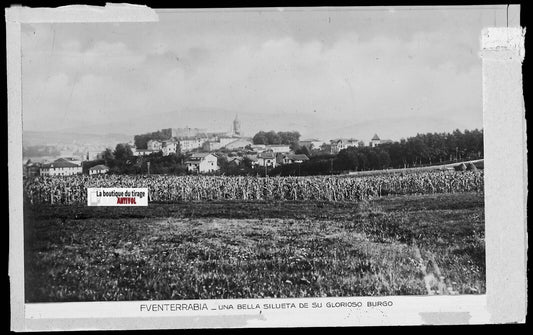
[73,189]
[418,244]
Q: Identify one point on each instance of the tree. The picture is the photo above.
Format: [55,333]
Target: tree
[291,138]
[362,161]
[347,159]
[159,164]
[273,138]
[383,159]
[222,162]
[141,140]
[109,157]
[260,138]
[304,151]
[373,160]
[122,152]
[324,149]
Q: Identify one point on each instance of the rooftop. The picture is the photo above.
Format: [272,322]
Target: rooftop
[60,163]
[99,167]
[299,157]
[200,154]
[266,155]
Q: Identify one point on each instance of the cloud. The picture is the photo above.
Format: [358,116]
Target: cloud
[83,79]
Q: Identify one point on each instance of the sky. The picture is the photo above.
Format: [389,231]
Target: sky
[339,65]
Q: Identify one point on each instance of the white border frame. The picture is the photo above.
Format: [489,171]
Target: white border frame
[505,212]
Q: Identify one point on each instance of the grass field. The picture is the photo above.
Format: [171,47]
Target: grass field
[409,245]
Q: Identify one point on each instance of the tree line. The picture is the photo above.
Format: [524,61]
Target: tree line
[420,150]
[290,138]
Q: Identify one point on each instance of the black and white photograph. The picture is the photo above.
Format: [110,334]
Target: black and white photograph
[255,153]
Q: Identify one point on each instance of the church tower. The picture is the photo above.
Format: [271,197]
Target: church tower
[237,126]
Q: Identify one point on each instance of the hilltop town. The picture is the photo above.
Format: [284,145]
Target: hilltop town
[203,151]
[198,151]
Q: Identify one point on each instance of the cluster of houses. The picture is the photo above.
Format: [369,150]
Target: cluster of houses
[65,166]
[274,155]
[269,156]
[185,145]
[203,152]
[190,139]
[339,144]
[259,155]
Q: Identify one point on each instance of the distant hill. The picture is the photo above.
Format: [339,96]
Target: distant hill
[212,120]
[315,125]
[54,137]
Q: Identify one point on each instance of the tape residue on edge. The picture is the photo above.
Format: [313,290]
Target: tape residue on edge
[111,12]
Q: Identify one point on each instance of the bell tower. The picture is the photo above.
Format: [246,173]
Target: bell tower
[237,126]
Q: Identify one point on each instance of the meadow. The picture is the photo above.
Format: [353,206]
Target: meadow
[415,244]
